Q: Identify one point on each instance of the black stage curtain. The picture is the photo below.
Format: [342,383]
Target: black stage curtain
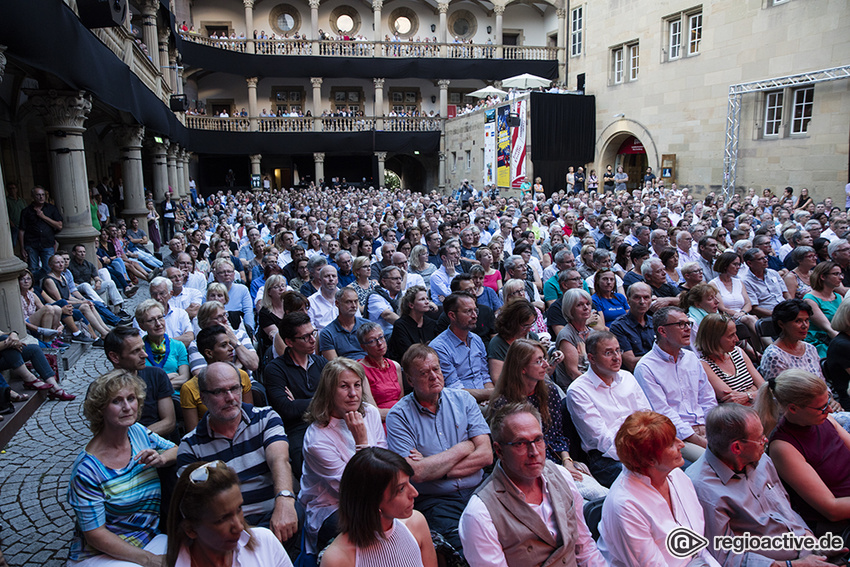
[248,65]
[563,134]
[207,142]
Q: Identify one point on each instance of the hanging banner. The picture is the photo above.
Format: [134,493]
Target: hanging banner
[503,147]
[518,148]
[490,146]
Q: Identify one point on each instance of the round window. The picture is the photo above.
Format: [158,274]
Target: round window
[460,27]
[402,25]
[345,23]
[285,22]
[284,19]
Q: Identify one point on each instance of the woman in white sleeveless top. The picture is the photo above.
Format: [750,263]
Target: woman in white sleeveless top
[734,300]
[379,527]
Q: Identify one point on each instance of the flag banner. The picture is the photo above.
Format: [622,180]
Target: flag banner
[518,148]
[503,145]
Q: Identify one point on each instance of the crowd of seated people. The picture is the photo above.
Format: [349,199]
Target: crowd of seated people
[612,413]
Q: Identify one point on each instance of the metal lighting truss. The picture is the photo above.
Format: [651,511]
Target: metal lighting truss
[733,113]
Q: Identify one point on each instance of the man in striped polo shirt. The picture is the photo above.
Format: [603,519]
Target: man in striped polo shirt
[253,443]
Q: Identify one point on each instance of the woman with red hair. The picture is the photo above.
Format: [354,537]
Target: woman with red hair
[650,498]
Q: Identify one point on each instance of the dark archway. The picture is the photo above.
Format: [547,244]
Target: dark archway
[410,170]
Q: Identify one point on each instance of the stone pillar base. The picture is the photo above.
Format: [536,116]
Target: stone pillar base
[85,235]
[11,316]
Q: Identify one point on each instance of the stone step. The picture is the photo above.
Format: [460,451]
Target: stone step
[14,422]
[71,356]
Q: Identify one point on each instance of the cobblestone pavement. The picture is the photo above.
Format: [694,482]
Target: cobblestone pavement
[36,522]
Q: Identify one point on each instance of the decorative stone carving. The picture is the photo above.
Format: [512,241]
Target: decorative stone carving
[377,5]
[248,3]
[382,156]
[316,81]
[498,10]
[379,83]
[129,135]
[319,157]
[443,8]
[61,109]
[314,4]
[252,82]
[443,83]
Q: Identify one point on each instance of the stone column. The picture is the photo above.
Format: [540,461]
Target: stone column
[319,160]
[442,30]
[160,169]
[380,104]
[11,316]
[500,12]
[256,169]
[562,45]
[149,9]
[382,158]
[64,113]
[163,58]
[441,172]
[314,25]
[249,23]
[444,97]
[317,102]
[171,162]
[376,13]
[252,103]
[182,189]
[129,139]
[184,157]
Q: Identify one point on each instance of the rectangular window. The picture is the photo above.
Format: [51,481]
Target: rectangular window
[695,33]
[803,103]
[454,161]
[773,113]
[468,160]
[617,57]
[634,61]
[576,31]
[675,39]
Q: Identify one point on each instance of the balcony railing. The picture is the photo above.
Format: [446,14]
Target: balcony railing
[124,46]
[319,124]
[359,48]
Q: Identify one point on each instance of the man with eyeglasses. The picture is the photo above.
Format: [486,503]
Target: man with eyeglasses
[600,400]
[564,260]
[252,441]
[674,380]
[292,378]
[463,357]
[740,490]
[239,296]
[382,302]
[528,511]
[442,278]
[433,241]
[764,287]
[194,280]
[177,322]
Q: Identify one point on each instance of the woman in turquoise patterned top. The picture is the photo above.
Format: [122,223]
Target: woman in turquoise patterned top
[114,487]
[824,302]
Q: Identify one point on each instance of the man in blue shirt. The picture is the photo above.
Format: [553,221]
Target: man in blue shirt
[634,330]
[463,358]
[444,437]
[339,338]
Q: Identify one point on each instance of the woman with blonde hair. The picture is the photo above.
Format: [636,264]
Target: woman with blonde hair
[419,264]
[824,301]
[730,371]
[798,280]
[413,326]
[206,525]
[341,424]
[697,302]
[810,449]
[362,269]
[271,313]
[577,309]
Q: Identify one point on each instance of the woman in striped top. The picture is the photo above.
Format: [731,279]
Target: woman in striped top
[730,371]
[379,526]
[114,488]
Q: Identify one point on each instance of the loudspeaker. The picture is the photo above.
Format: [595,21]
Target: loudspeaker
[179,103]
[513,121]
[102,13]
[580,82]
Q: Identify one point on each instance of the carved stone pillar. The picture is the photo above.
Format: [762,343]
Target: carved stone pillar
[256,169]
[376,12]
[163,58]
[380,104]
[444,97]
[249,23]
[171,162]
[129,139]
[441,172]
[252,103]
[182,189]
[184,157]
[159,150]
[500,12]
[149,9]
[562,45]
[382,158]
[317,102]
[314,25]
[319,160]
[11,316]
[443,29]
[64,113]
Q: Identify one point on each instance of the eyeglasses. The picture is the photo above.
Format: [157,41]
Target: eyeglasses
[154,320]
[375,341]
[825,408]
[536,442]
[612,352]
[540,361]
[681,324]
[307,336]
[763,441]
[221,391]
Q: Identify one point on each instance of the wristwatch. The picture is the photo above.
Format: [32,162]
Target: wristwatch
[285,494]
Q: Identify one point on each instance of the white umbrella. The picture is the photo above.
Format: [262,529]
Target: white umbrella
[488,91]
[526,81]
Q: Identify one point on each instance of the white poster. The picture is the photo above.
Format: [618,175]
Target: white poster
[518,148]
